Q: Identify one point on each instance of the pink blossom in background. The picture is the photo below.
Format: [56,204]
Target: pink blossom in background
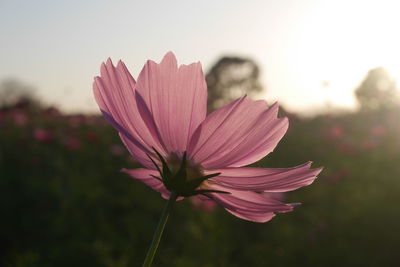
[336,131]
[161,119]
[20,118]
[378,130]
[43,136]
[117,150]
[204,204]
[73,143]
[91,137]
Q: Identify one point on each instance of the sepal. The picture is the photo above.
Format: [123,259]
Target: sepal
[179,182]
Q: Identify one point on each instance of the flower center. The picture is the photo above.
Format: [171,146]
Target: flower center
[182,176]
[193,170]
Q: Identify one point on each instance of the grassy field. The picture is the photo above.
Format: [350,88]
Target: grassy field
[63,201]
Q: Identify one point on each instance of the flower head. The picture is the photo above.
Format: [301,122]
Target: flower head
[161,119]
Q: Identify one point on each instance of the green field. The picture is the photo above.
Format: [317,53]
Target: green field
[63,201]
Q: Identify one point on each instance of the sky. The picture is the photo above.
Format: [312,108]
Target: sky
[312,54]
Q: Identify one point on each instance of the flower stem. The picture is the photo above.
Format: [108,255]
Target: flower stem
[159,231]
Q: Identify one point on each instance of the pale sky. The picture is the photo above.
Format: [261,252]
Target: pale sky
[311,52]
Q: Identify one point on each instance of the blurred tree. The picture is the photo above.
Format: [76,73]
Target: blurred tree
[16,93]
[377,91]
[231,78]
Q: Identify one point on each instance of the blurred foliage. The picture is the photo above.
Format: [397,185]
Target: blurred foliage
[377,91]
[231,78]
[63,201]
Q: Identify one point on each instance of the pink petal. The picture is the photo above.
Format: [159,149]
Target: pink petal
[115,95]
[237,134]
[144,175]
[249,205]
[252,216]
[176,98]
[266,179]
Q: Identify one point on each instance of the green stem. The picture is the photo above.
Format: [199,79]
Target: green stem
[159,231]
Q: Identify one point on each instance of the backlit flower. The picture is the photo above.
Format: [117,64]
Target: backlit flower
[161,119]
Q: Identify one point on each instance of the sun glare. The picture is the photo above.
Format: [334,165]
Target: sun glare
[338,44]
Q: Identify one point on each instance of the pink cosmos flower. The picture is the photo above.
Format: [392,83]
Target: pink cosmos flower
[20,117]
[43,135]
[117,150]
[73,143]
[378,130]
[161,119]
[202,204]
[336,132]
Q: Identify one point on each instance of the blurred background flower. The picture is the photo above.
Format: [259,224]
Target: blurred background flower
[42,135]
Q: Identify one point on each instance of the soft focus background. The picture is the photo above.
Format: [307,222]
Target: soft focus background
[332,65]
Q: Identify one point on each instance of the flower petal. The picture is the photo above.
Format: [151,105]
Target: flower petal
[252,206]
[237,134]
[266,179]
[144,175]
[115,95]
[176,98]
